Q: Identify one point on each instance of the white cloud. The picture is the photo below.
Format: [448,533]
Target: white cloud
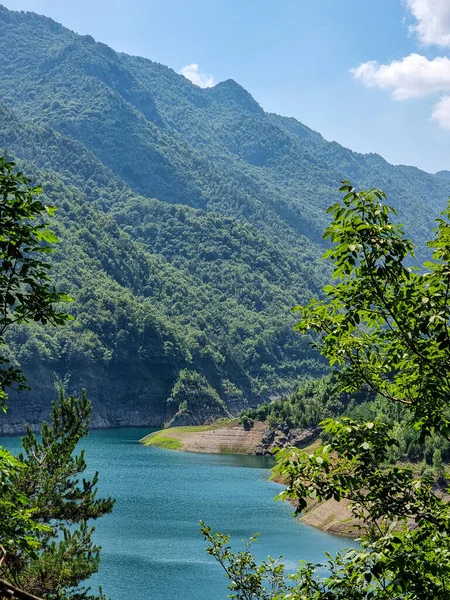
[411,77]
[433,20]
[415,76]
[193,73]
[441,112]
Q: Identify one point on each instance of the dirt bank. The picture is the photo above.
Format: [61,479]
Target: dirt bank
[333,517]
[229,438]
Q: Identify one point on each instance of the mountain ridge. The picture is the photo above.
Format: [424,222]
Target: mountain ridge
[199,214]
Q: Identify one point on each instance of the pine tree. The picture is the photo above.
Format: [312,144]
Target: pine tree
[61,505]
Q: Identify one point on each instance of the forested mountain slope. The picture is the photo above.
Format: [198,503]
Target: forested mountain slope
[190,220]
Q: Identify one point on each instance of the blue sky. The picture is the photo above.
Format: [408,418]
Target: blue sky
[301,58]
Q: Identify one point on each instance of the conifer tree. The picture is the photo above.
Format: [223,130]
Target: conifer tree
[60,504]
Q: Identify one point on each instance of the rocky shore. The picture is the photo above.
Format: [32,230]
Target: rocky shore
[283,437]
[229,436]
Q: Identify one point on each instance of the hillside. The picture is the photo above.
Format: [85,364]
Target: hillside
[190,220]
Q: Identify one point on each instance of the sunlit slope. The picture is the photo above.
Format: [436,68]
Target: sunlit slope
[190,219]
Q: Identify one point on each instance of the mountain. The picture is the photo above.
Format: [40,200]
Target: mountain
[443,175]
[191,222]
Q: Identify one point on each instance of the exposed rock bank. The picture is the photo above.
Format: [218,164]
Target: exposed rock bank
[283,437]
[230,437]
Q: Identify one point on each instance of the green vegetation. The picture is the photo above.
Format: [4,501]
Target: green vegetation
[409,447]
[201,278]
[26,292]
[386,323]
[318,399]
[45,541]
[192,394]
[312,402]
[386,327]
[59,553]
[162,440]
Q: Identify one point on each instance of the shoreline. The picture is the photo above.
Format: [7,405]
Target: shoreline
[222,437]
[229,437]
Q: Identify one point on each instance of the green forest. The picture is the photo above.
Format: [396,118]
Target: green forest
[190,220]
[169,250]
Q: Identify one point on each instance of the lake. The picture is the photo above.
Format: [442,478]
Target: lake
[152,548]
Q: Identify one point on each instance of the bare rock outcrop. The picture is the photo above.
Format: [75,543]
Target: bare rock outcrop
[283,437]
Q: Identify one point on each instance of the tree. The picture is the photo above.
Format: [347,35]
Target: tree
[385,325]
[42,500]
[438,464]
[57,502]
[248,579]
[18,530]
[26,291]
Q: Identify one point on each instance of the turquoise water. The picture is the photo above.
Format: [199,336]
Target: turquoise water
[152,549]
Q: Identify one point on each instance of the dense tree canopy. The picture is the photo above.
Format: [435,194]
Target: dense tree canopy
[202,277]
[385,322]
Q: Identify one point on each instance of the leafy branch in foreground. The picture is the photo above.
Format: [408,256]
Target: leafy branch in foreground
[405,527]
[385,326]
[26,292]
[248,579]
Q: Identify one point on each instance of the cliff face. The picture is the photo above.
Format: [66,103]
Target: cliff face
[120,398]
[284,437]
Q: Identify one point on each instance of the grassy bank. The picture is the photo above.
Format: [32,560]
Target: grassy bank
[158,440]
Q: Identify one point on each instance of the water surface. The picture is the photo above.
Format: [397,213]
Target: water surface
[152,549]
